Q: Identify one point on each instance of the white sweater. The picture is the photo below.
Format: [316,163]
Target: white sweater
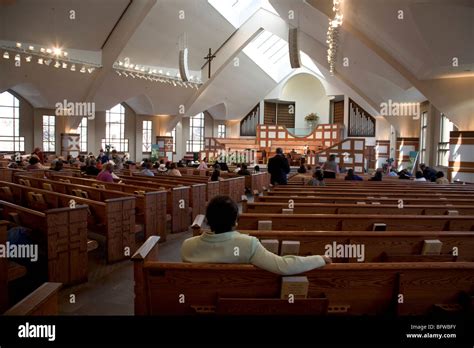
[234,247]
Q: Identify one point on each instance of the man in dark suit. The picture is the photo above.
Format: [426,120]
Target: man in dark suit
[278,167]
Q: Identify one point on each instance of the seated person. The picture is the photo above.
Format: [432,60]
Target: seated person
[216,175]
[202,165]
[440,179]
[57,166]
[173,170]
[377,176]
[34,163]
[106,173]
[302,169]
[224,166]
[147,171]
[330,167]
[392,172]
[428,173]
[91,167]
[403,174]
[317,179]
[256,169]
[419,176]
[351,176]
[243,170]
[219,245]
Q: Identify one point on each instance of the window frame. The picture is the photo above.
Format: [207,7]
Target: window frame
[147,126]
[196,133]
[120,144]
[49,122]
[14,115]
[221,133]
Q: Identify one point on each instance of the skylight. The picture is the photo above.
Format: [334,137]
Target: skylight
[270,53]
[238,11]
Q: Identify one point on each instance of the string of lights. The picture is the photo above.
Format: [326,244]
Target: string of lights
[46,56]
[333,34]
[128,70]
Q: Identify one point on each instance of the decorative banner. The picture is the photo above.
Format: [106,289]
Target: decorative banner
[70,144]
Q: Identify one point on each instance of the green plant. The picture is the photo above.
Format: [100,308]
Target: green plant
[312,117]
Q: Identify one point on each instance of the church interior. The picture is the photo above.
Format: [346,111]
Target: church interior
[244,158]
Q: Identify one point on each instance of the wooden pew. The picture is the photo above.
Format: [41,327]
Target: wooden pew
[151,203]
[358,222]
[403,246]
[43,301]
[328,208]
[433,189]
[379,247]
[365,199]
[233,187]
[112,217]
[342,289]
[347,193]
[63,232]
[197,192]
[9,270]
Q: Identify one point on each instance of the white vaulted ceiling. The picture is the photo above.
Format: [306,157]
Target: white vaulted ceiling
[407,60]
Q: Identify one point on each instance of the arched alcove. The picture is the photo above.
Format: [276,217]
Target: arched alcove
[309,95]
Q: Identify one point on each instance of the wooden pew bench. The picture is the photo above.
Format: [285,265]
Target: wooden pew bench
[62,233]
[43,301]
[328,208]
[336,289]
[355,200]
[358,222]
[151,203]
[112,218]
[404,246]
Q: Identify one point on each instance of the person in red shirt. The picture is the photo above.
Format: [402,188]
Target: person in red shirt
[106,173]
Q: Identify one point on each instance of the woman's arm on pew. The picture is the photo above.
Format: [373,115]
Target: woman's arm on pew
[285,265]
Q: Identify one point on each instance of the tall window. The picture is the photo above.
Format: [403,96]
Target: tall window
[82,131]
[173,134]
[446,127]
[10,139]
[221,131]
[49,133]
[196,133]
[115,129]
[424,127]
[147,131]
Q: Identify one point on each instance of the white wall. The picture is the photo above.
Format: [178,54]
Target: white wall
[309,95]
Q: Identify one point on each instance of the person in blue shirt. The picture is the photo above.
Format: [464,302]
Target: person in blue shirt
[351,176]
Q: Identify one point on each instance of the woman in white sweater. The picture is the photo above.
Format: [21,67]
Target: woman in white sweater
[224,245]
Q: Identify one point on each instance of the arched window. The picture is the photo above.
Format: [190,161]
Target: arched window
[115,129]
[10,139]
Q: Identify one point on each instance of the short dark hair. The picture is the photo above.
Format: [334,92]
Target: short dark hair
[419,174]
[279,150]
[221,214]
[33,160]
[439,174]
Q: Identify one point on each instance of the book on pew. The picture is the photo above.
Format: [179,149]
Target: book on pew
[290,247]
[271,245]
[432,247]
[295,286]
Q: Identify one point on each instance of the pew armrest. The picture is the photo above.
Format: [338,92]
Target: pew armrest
[146,248]
[42,301]
[197,224]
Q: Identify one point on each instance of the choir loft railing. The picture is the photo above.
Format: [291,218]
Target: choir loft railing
[248,126]
[361,123]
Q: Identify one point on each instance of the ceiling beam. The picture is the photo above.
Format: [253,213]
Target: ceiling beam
[118,39]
